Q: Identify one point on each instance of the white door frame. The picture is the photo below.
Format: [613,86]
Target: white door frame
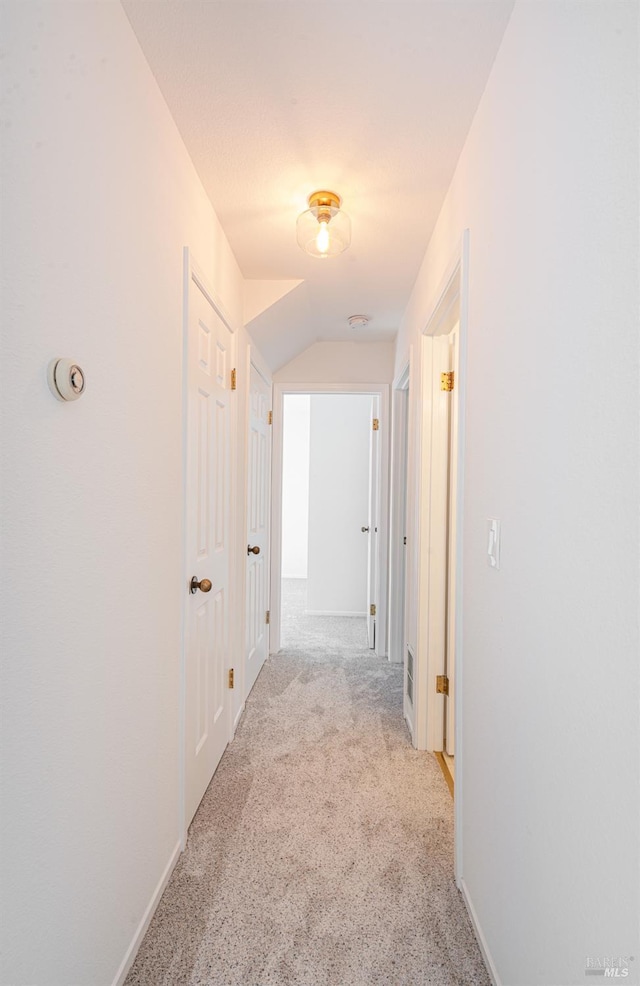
[193,271]
[376,390]
[398,517]
[451,304]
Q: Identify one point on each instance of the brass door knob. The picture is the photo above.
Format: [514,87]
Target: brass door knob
[253,551]
[365,530]
[204,585]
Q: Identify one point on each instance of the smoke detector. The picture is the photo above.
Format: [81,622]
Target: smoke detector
[358,321]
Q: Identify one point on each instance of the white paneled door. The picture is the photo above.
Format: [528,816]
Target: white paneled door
[258,513]
[208,524]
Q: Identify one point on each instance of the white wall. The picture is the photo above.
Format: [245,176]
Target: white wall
[548,186]
[295,486]
[99,198]
[340,436]
[340,362]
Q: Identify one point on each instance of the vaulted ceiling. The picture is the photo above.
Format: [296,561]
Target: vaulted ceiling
[278,98]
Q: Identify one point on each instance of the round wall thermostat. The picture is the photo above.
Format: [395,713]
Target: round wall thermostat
[66,380]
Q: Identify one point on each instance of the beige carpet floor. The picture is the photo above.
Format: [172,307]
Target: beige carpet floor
[322,853]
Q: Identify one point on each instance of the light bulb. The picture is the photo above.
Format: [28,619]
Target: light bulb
[322,239]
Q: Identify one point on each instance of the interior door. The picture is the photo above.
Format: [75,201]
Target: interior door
[258,514]
[372,558]
[208,525]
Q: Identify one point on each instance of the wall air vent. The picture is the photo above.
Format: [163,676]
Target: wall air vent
[409,675]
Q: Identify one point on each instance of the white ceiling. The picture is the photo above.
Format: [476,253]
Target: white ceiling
[277,98]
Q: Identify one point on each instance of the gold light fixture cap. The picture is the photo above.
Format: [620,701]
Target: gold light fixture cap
[327,200]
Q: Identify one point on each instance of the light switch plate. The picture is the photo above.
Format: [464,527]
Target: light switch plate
[493,542]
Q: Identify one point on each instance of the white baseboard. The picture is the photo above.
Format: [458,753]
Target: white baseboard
[484,948]
[132,951]
[238,718]
[301,578]
[330,612]
[410,728]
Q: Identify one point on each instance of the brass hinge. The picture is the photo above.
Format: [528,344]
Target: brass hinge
[234,380]
[376,424]
[230,677]
[442,684]
[270,418]
[446,381]
[267,616]
[372,609]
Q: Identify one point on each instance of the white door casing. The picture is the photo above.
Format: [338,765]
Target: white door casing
[208,365]
[452,477]
[439,538]
[372,523]
[441,630]
[412,557]
[436,630]
[398,547]
[258,526]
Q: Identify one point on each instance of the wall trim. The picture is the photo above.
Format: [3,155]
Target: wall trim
[141,930]
[482,941]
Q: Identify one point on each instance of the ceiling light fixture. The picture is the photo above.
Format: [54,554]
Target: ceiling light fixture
[323,230]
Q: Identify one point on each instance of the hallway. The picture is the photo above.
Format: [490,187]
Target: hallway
[166,288]
[321,854]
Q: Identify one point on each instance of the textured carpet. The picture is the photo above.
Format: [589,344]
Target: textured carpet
[322,853]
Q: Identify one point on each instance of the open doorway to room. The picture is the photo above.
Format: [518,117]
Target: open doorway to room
[329,514]
[335,513]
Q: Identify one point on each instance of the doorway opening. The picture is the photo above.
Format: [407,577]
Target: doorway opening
[329,516]
[330,509]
